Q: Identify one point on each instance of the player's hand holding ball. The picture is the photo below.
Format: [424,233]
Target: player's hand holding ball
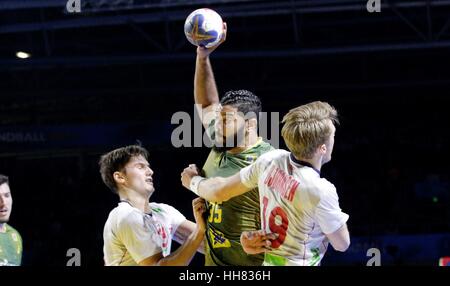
[205,29]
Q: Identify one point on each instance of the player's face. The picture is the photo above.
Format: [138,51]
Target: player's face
[330,145]
[138,175]
[230,128]
[5,203]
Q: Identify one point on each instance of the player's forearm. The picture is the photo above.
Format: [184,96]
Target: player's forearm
[340,239]
[184,231]
[184,254]
[205,89]
[201,248]
[213,190]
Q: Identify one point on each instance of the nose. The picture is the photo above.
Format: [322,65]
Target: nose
[150,171]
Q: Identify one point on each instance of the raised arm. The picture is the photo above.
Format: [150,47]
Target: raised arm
[205,89]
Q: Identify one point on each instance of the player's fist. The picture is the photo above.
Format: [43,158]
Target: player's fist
[199,208]
[187,175]
[204,52]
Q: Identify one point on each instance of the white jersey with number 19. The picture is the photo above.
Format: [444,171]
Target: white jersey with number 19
[297,204]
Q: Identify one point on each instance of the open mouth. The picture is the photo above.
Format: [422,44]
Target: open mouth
[150,181]
[3,211]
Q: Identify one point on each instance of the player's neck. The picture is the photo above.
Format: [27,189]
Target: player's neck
[316,163]
[136,200]
[2,227]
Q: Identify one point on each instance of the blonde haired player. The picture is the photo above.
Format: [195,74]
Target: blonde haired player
[297,205]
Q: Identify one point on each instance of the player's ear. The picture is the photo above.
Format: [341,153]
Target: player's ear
[119,178]
[252,123]
[322,149]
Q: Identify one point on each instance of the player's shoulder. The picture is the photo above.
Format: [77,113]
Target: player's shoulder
[124,213]
[263,147]
[13,231]
[162,208]
[322,187]
[326,185]
[276,154]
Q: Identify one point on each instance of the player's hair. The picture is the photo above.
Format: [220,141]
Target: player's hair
[307,127]
[245,101]
[116,160]
[4,179]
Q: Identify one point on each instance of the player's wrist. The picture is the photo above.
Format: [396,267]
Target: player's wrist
[202,56]
[201,229]
[195,183]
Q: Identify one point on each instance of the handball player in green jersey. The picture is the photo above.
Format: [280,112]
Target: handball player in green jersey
[232,126]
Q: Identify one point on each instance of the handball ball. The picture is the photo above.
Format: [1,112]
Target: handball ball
[204,28]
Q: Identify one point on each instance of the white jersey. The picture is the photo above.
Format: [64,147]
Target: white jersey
[296,204]
[131,236]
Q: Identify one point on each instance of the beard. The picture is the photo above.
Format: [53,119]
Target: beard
[4,220]
[221,149]
[235,142]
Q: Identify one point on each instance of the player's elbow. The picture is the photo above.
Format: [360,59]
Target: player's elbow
[340,239]
[218,197]
[342,245]
[218,191]
[342,248]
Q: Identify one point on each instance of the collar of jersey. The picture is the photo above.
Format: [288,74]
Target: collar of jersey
[258,142]
[131,205]
[302,163]
[5,228]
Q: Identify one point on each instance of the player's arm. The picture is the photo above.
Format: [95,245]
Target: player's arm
[332,220]
[184,254]
[217,189]
[181,257]
[184,230]
[206,95]
[340,239]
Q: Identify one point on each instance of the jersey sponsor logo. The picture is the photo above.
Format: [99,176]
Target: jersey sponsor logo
[251,158]
[218,239]
[281,183]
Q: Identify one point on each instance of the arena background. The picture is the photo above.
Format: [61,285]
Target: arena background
[116,72]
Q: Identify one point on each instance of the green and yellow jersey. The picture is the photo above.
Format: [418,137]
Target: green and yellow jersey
[10,246]
[227,220]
